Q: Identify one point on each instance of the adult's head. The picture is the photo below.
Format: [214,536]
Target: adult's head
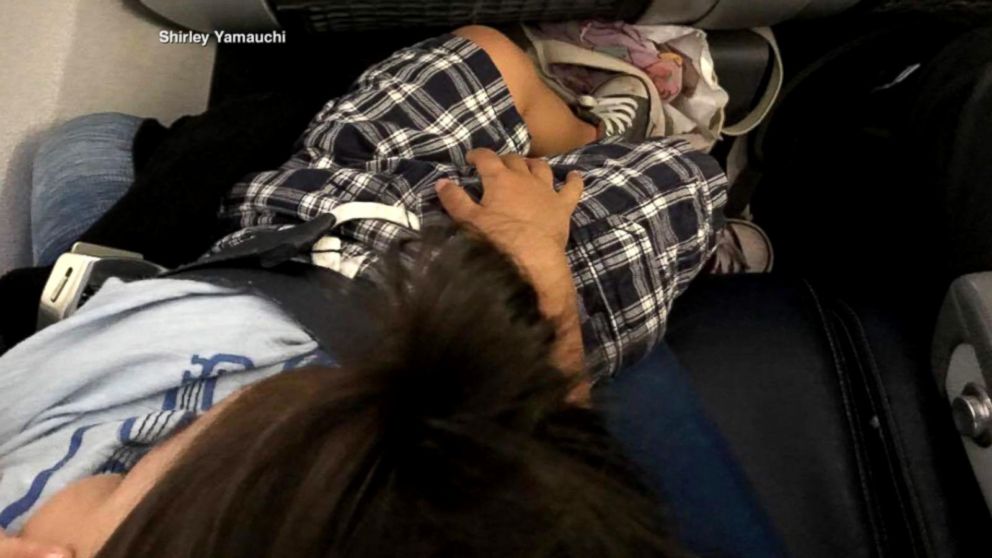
[456,437]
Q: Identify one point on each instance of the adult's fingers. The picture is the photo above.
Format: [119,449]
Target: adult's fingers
[515,162]
[456,201]
[571,192]
[19,548]
[485,161]
[542,170]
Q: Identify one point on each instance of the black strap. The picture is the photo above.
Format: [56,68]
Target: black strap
[333,309]
[267,249]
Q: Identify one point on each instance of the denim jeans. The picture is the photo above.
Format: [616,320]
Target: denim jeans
[81,169]
[653,412]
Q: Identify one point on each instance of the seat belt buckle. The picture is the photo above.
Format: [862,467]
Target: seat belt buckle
[81,271]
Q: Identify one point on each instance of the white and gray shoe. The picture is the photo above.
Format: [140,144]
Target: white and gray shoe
[742,247]
[619,107]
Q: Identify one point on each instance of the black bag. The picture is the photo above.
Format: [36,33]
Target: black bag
[868,141]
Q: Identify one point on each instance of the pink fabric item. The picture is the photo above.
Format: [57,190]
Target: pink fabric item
[664,67]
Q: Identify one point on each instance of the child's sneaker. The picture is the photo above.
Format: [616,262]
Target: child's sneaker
[742,247]
[619,107]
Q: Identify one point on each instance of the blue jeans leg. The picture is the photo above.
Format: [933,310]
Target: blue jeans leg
[80,171]
[653,412]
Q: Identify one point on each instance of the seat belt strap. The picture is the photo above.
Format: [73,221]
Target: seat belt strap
[330,307]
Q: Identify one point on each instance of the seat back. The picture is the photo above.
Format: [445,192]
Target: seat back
[334,15]
[738,14]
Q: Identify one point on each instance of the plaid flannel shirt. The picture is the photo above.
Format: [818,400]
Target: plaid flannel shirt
[644,227]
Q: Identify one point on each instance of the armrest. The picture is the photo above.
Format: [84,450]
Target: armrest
[964,332]
[962,362]
[737,14]
[209,15]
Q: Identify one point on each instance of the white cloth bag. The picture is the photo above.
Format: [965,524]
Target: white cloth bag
[698,117]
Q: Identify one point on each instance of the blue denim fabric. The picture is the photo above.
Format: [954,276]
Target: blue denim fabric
[654,413]
[80,171]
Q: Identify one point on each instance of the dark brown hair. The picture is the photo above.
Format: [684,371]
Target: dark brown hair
[454,438]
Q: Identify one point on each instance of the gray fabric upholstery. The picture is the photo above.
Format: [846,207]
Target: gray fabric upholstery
[677,11]
[64,58]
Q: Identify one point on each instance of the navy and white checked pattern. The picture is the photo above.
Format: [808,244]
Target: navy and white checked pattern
[644,228]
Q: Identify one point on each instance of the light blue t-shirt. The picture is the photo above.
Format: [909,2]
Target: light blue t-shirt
[94,393]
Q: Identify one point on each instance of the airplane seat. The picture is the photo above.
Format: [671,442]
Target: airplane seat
[332,15]
[830,407]
[854,398]
[837,407]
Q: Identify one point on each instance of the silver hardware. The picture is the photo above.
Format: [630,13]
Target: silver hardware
[81,272]
[973,414]
[64,288]
[98,251]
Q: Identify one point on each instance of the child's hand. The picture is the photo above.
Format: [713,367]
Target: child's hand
[520,210]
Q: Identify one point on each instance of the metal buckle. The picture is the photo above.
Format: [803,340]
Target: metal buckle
[79,273]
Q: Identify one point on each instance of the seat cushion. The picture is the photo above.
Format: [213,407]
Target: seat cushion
[833,416]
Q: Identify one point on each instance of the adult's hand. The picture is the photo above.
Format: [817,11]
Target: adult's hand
[13,547]
[520,207]
[522,214]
